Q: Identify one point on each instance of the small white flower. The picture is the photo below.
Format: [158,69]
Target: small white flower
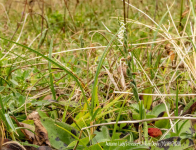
[121,31]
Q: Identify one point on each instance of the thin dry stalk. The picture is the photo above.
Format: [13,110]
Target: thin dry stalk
[95,47]
[140,121]
[111,78]
[17,39]
[15,143]
[18,24]
[66,5]
[180,95]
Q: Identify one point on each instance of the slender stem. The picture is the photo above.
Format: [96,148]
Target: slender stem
[78,140]
[124,12]
[18,24]
[180,21]
[139,121]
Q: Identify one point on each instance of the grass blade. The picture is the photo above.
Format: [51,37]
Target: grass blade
[56,64]
[176,112]
[118,117]
[50,70]
[94,94]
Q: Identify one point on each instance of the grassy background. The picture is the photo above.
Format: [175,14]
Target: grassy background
[75,35]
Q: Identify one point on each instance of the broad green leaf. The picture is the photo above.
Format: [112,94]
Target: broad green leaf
[58,137]
[185,127]
[163,123]
[30,122]
[136,116]
[135,106]
[158,109]
[122,125]
[2,88]
[42,114]
[14,82]
[10,122]
[116,136]
[101,136]
[21,100]
[147,98]
[186,135]
[41,103]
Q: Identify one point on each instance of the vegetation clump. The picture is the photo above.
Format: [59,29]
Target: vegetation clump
[97,74]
